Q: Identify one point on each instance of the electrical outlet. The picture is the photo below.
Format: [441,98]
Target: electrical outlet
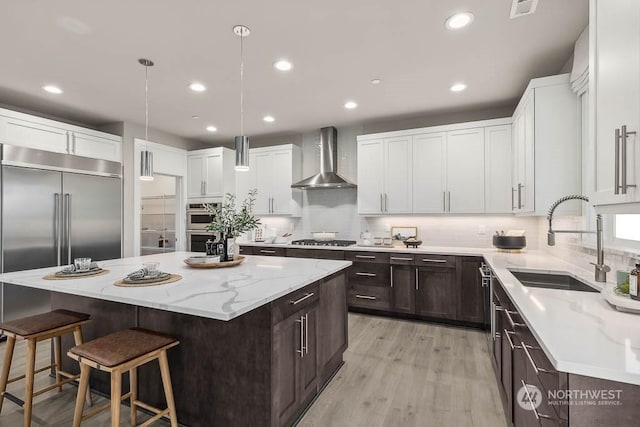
[482,230]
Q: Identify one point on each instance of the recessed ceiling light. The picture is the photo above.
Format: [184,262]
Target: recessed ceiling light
[211,128]
[458,87]
[195,116]
[269,119]
[350,105]
[52,89]
[283,65]
[197,87]
[459,20]
[376,81]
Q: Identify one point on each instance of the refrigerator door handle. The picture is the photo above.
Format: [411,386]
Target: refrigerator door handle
[56,226]
[67,219]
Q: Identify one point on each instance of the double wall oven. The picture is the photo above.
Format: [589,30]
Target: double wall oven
[197,220]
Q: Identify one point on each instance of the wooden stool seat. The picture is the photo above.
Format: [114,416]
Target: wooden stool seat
[32,325]
[33,329]
[118,353]
[122,346]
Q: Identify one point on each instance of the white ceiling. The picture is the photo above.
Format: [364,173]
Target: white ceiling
[90,49]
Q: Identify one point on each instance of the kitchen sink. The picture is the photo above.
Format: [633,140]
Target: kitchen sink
[552,281]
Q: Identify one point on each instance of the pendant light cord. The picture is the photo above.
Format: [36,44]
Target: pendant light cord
[146,103]
[241,83]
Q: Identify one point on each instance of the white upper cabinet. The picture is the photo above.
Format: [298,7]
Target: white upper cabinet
[272,171]
[546,147]
[210,173]
[429,172]
[385,176]
[497,169]
[28,131]
[465,171]
[614,87]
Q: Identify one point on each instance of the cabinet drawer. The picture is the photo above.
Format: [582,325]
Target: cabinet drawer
[295,301]
[315,253]
[374,297]
[369,274]
[448,261]
[539,367]
[246,250]
[269,251]
[401,259]
[373,257]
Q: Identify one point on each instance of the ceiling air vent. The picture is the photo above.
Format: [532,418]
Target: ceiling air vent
[522,8]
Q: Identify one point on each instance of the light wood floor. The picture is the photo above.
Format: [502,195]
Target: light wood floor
[396,373]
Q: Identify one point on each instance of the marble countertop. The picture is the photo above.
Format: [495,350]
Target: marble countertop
[221,294]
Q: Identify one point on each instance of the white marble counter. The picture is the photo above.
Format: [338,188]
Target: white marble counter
[221,294]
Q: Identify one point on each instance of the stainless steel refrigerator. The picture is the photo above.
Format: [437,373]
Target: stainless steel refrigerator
[55,207]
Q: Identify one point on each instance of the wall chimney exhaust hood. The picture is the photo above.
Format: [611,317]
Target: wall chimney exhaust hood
[328,176]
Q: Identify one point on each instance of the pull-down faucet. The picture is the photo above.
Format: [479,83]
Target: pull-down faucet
[601,268]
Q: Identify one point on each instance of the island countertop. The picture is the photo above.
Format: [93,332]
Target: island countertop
[221,293]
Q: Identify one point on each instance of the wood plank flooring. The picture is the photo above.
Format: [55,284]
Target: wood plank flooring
[396,373]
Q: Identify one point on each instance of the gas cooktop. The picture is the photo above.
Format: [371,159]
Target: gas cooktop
[311,242]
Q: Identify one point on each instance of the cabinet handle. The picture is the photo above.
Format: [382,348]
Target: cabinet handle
[513,202]
[507,334]
[366,297]
[444,201]
[616,188]
[510,319]
[68,134]
[393,258]
[537,370]
[267,251]
[366,274]
[520,187]
[434,260]
[381,207]
[306,333]
[449,201]
[301,321]
[391,268]
[386,203]
[204,185]
[417,280]
[73,143]
[273,205]
[533,405]
[624,136]
[365,256]
[299,300]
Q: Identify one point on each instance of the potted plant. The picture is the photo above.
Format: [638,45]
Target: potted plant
[230,221]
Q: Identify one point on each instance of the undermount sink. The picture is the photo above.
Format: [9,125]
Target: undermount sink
[552,281]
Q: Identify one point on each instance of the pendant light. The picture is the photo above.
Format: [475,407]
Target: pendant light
[242,141]
[146,156]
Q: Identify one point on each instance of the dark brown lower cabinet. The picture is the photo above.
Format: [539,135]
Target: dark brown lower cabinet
[403,292]
[472,295]
[435,294]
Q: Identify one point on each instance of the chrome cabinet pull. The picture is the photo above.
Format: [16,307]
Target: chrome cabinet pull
[391,267]
[513,205]
[298,301]
[444,201]
[507,334]
[381,208]
[434,260]
[510,319]
[366,274]
[393,258]
[366,297]
[73,143]
[537,370]
[365,256]
[533,405]
[56,221]
[417,280]
[449,201]
[67,198]
[301,321]
[623,138]
[616,187]
[520,187]
[306,333]
[267,251]
[386,203]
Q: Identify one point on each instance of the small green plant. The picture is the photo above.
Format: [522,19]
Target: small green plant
[228,219]
[623,288]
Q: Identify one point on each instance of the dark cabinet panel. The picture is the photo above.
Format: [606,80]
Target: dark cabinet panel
[269,251]
[332,325]
[403,288]
[315,253]
[369,274]
[373,297]
[472,296]
[309,360]
[246,250]
[436,292]
[431,260]
[284,383]
[365,256]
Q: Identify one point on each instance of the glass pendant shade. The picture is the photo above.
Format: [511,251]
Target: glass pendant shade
[146,165]
[242,153]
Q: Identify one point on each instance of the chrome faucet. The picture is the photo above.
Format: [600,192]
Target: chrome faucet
[601,268]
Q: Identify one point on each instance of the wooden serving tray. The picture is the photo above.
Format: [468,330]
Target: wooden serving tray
[82,275]
[239,260]
[127,284]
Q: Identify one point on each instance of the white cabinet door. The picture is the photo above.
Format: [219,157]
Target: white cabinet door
[517,148]
[370,176]
[195,176]
[616,92]
[429,173]
[465,171]
[263,176]
[498,194]
[30,134]
[213,175]
[527,161]
[281,164]
[398,175]
[96,147]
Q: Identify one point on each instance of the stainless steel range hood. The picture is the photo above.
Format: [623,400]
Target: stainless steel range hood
[328,176]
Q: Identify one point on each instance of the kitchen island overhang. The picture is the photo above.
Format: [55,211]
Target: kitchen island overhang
[257,342]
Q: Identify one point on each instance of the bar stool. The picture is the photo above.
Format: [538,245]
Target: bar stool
[117,353]
[34,329]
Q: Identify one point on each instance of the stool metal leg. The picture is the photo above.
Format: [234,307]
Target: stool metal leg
[6,366]
[29,378]
[133,388]
[83,387]
[116,397]
[168,391]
